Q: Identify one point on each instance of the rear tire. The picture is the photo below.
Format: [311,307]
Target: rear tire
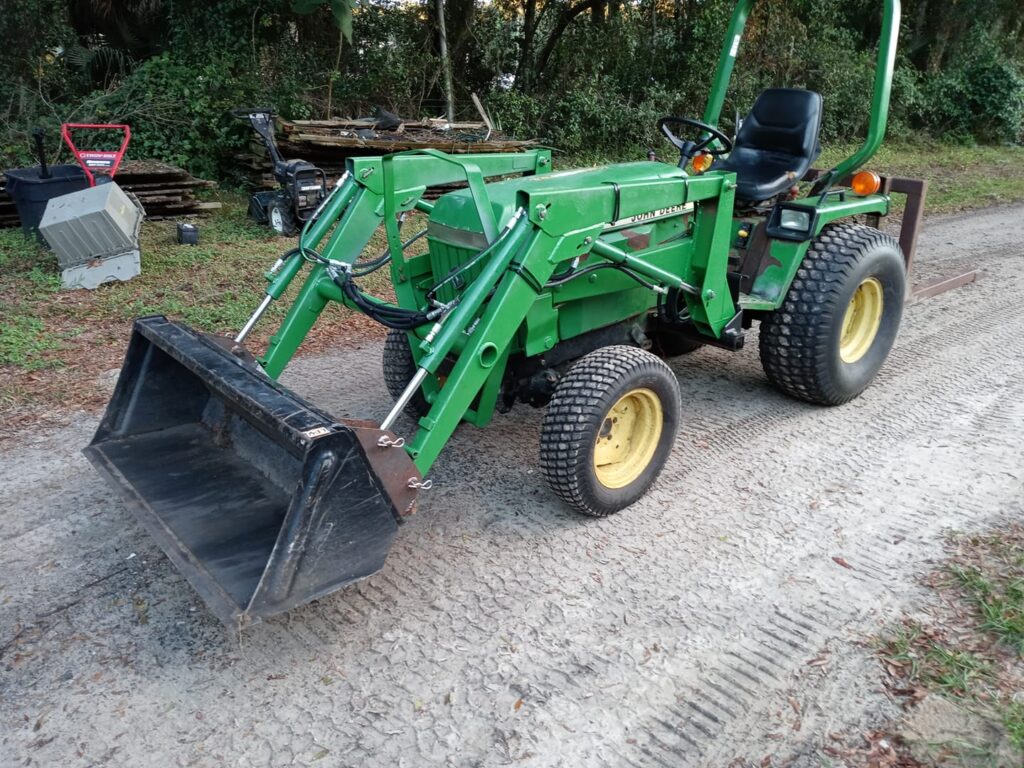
[833,332]
[399,368]
[609,429]
[281,217]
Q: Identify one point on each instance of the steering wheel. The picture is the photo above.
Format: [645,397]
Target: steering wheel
[689,149]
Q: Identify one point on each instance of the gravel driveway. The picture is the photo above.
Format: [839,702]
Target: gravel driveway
[718,622]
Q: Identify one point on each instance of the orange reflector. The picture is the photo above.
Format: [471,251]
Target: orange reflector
[701,162]
[866,183]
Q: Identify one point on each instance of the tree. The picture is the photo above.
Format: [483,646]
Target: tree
[342,11]
[530,70]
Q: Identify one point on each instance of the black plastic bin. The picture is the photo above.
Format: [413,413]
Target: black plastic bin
[31,193]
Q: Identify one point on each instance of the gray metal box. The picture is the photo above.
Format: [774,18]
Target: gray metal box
[95,235]
[90,224]
[121,266]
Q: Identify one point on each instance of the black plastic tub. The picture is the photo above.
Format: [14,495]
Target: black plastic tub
[31,193]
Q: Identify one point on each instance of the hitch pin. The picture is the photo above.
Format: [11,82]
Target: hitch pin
[424,485]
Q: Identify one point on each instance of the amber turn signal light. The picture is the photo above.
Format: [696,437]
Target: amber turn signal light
[866,183]
[701,162]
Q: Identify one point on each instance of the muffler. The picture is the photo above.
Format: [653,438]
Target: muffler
[260,499]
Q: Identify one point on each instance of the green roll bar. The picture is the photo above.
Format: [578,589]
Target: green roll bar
[880,96]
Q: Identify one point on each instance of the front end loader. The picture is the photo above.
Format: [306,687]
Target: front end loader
[560,290]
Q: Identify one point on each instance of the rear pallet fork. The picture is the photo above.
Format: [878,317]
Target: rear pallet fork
[915,190]
[913,215]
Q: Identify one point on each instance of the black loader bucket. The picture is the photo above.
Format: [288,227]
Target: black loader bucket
[260,499]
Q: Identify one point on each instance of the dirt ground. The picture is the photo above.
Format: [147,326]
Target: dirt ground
[720,622]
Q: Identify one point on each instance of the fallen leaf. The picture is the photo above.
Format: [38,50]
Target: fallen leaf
[517,705]
[840,561]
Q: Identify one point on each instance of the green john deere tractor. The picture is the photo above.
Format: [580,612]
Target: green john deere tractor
[565,290]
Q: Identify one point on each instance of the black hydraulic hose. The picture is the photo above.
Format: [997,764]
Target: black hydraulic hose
[363,268]
[397,318]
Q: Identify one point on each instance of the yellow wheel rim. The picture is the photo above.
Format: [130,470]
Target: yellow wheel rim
[628,438]
[861,321]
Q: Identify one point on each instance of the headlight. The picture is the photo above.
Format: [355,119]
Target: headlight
[790,221]
[798,220]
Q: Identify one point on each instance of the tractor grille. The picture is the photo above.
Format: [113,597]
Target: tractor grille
[446,256]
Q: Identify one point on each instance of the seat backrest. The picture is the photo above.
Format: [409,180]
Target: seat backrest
[783,120]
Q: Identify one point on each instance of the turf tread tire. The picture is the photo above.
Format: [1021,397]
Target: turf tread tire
[399,368]
[576,411]
[799,341]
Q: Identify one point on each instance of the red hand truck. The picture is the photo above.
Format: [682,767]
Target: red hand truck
[96,161]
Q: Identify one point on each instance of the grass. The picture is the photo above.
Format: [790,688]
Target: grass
[997,593]
[973,650]
[927,660]
[24,342]
[54,343]
[959,177]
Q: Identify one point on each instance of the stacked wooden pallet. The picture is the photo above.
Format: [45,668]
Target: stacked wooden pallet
[327,143]
[163,190]
[8,213]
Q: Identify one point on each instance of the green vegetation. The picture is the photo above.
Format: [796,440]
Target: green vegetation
[588,76]
[23,340]
[929,661]
[973,648]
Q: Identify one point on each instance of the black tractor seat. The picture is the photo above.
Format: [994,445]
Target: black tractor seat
[776,144]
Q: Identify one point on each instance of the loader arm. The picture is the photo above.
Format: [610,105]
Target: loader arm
[373,191]
[552,226]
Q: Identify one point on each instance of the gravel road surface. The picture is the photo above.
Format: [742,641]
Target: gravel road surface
[718,622]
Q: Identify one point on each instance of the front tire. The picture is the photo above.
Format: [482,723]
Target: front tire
[281,217]
[399,368]
[609,429]
[833,332]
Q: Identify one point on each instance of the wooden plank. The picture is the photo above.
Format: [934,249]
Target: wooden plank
[395,146]
[483,112]
[176,184]
[436,122]
[145,194]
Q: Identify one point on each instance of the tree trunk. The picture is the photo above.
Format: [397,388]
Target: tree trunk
[526,45]
[335,73]
[561,24]
[446,64]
